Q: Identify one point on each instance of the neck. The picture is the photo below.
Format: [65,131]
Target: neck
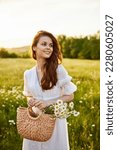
[40,63]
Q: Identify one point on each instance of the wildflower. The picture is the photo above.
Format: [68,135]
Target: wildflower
[56,107]
[75,113]
[3,105]
[78,82]
[60,102]
[62,110]
[69,124]
[80,101]
[92,107]
[18,96]
[90,134]
[56,112]
[65,105]
[71,105]
[2,91]
[12,122]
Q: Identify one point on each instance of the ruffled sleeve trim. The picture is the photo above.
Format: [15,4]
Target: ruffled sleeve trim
[69,88]
[64,81]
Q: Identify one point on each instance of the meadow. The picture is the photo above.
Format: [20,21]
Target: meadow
[84,130]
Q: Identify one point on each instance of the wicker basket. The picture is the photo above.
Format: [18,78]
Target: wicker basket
[38,128]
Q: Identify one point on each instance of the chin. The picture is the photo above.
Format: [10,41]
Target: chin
[47,56]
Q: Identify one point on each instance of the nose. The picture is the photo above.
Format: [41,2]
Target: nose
[48,47]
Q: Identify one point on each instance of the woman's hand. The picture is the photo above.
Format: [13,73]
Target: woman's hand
[37,103]
[41,104]
[31,102]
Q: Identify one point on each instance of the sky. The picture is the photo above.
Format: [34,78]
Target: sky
[21,19]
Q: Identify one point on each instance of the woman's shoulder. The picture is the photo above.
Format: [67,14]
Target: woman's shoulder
[29,71]
[63,76]
[61,69]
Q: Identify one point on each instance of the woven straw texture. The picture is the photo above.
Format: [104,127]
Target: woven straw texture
[36,129]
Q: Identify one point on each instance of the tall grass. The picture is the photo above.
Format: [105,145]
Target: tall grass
[84,131]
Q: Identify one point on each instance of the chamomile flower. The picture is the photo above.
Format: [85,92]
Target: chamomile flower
[75,113]
[60,102]
[56,107]
[71,105]
[63,110]
[65,105]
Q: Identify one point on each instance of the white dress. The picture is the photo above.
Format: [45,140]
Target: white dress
[64,86]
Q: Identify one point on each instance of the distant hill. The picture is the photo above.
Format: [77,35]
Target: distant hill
[19,49]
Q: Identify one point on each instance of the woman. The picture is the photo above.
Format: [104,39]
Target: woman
[44,84]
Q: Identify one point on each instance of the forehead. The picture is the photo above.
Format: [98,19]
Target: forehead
[45,38]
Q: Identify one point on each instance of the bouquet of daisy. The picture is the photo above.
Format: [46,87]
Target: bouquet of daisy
[62,109]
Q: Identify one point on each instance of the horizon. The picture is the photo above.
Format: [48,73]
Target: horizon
[20,46]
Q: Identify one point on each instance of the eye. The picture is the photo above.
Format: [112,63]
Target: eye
[51,45]
[44,44]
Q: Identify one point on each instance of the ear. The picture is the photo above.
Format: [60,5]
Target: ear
[34,48]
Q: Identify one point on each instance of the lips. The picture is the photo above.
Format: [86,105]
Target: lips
[47,52]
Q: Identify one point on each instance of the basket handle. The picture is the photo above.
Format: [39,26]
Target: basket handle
[34,117]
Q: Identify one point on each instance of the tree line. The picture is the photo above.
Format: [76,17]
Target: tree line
[6,54]
[80,47]
[87,47]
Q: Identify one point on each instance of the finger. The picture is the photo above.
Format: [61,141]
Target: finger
[31,102]
[28,104]
[38,103]
[41,107]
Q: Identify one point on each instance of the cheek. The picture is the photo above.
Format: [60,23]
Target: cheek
[39,52]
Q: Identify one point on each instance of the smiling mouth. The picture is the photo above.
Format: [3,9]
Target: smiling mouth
[47,52]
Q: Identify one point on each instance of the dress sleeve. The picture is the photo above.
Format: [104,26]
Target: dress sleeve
[26,91]
[64,81]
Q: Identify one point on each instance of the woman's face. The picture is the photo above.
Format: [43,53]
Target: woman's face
[44,47]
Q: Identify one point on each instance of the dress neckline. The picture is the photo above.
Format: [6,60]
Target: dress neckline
[37,74]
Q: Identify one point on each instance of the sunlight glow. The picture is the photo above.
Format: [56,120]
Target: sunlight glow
[20,20]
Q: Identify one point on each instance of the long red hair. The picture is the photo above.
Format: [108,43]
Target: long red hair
[49,78]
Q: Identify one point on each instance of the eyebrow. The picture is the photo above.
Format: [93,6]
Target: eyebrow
[46,42]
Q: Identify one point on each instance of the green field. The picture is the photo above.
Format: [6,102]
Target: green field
[84,130]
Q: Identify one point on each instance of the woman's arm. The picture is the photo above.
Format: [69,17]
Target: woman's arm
[64,98]
[41,104]
[31,101]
